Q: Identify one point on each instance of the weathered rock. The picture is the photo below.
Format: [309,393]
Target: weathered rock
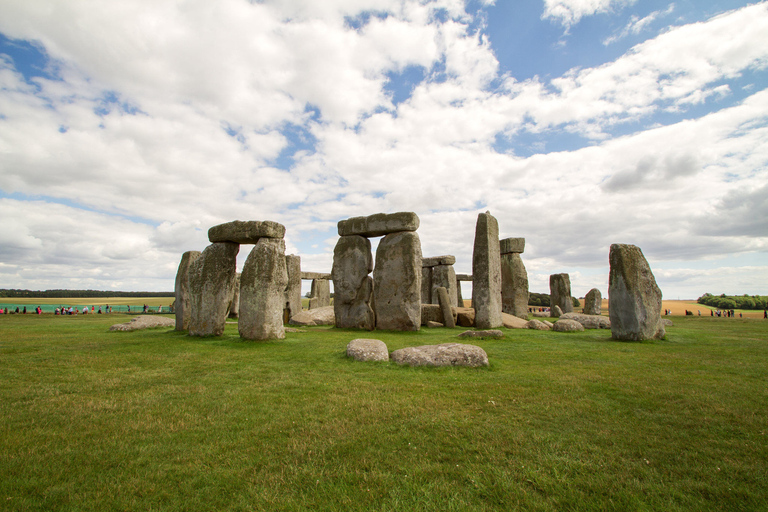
[560,292]
[537,325]
[445,307]
[465,317]
[379,224]
[363,349]
[547,323]
[262,291]
[486,333]
[293,290]
[446,354]
[431,313]
[593,302]
[352,286]
[234,301]
[397,282]
[555,312]
[434,261]
[542,314]
[144,322]
[634,299]
[430,323]
[667,322]
[316,275]
[459,298]
[566,325]
[182,290]
[319,316]
[211,280]
[486,272]
[513,322]
[512,246]
[320,294]
[293,329]
[426,285]
[588,321]
[245,232]
[514,285]
[444,276]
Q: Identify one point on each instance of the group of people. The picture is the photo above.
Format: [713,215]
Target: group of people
[71,310]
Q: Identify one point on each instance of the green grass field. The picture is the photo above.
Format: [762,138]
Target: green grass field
[157,420]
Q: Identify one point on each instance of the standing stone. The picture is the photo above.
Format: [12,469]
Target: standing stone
[593,302]
[292,300]
[262,291]
[426,285]
[352,286]
[320,294]
[560,292]
[514,285]
[234,302]
[486,272]
[445,307]
[634,299]
[397,282]
[211,282]
[459,298]
[444,276]
[182,290]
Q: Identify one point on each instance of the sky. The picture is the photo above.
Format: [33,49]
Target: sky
[127,129]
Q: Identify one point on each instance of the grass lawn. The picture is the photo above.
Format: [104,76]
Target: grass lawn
[157,420]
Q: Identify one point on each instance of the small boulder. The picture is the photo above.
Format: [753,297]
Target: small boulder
[144,322]
[589,321]
[434,324]
[319,316]
[465,317]
[555,312]
[566,325]
[363,349]
[446,354]
[488,333]
[537,325]
[667,322]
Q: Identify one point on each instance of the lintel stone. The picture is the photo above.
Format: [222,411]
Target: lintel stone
[379,224]
[245,232]
[438,260]
[512,245]
[315,275]
[464,277]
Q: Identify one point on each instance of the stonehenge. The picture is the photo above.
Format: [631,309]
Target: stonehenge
[211,279]
[438,272]
[634,299]
[262,291]
[514,278]
[486,273]
[593,302]
[560,293]
[182,290]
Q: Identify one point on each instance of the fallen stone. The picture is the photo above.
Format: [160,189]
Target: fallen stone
[293,329]
[397,282]
[512,246]
[363,349]
[319,316]
[245,232]
[486,271]
[560,292]
[465,317]
[434,324]
[446,354]
[445,308]
[593,302]
[262,291]
[547,323]
[144,322]
[352,286]
[634,298]
[566,325]
[182,290]
[434,261]
[555,312]
[537,325]
[487,333]
[513,322]
[211,282]
[589,321]
[542,314]
[379,224]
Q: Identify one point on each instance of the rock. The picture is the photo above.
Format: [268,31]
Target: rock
[634,299]
[547,323]
[438,260]
[593,302]
[262,291]
[431,313]
[363,349]
[319,316]
[555,312]
[538,325]
[182,290]
[397,282]
[512,246]
[465,317]
[320,294]
[379,224]
[293,290]
[513,322]
[542,314]
[316,275]
[446,354]
[589,321]
[560,292]
[144,322]
[514,285]
[459,298]
[352,286]
[234,302]
[444,276]
[430,323]
[426,286]
[566,325]
[486,272]
[292,329]
[211,282]
[445,308]
[487,333]
[245,232]
[667,322]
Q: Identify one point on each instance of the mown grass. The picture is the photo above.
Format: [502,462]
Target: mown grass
[98,420]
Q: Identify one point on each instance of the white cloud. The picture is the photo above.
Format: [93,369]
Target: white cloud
[570,12]
[637,24]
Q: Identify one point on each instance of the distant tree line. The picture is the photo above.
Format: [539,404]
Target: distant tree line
[542,299]
[63,294]
[734,301]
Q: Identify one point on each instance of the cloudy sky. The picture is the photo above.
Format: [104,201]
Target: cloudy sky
[129,128]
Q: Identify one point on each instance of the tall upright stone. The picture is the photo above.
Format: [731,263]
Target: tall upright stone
[560,293]
[397,282]
[459,298]
[262,291]
[444,276]
[182,290]
[292,301]
[634,298]
[234,301]
[514,285]
[593,302]
[486,272]
[352,286]
[211,282]
[426,285]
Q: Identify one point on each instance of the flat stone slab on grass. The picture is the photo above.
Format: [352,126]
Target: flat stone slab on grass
[446,354]
[292,329]
[513,322]
[488,333]
[538,325]
[245,232]
[365,349]
[589,321]
[144,322]
[319,316]
[379,224]
[566,325]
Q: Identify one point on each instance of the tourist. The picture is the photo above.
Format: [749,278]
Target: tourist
[25,310]
[17,310]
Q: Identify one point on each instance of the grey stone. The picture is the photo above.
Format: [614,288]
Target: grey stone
[634,299]
[446,354]
[555,312]
[144,322]
[560,292]
[593,302]
[211,280]
[542,314]
[431,313]
[234,302]
[262,291]
[315,275]
[245,232]
[459,298]
[465,317]
[445,307]
[486,333]
[444,276]
[397,282]
[293,290]
[566,325]
[537,325]
[182,290]
[513,322]
[320,294]
[434,261]
[514,285]
[589,321]
[486,271]
[464,277]
[320,316]
[363,349]
[426,285]
[379,224]
[667,322]
[352,286]
[430,323]
[512,246]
